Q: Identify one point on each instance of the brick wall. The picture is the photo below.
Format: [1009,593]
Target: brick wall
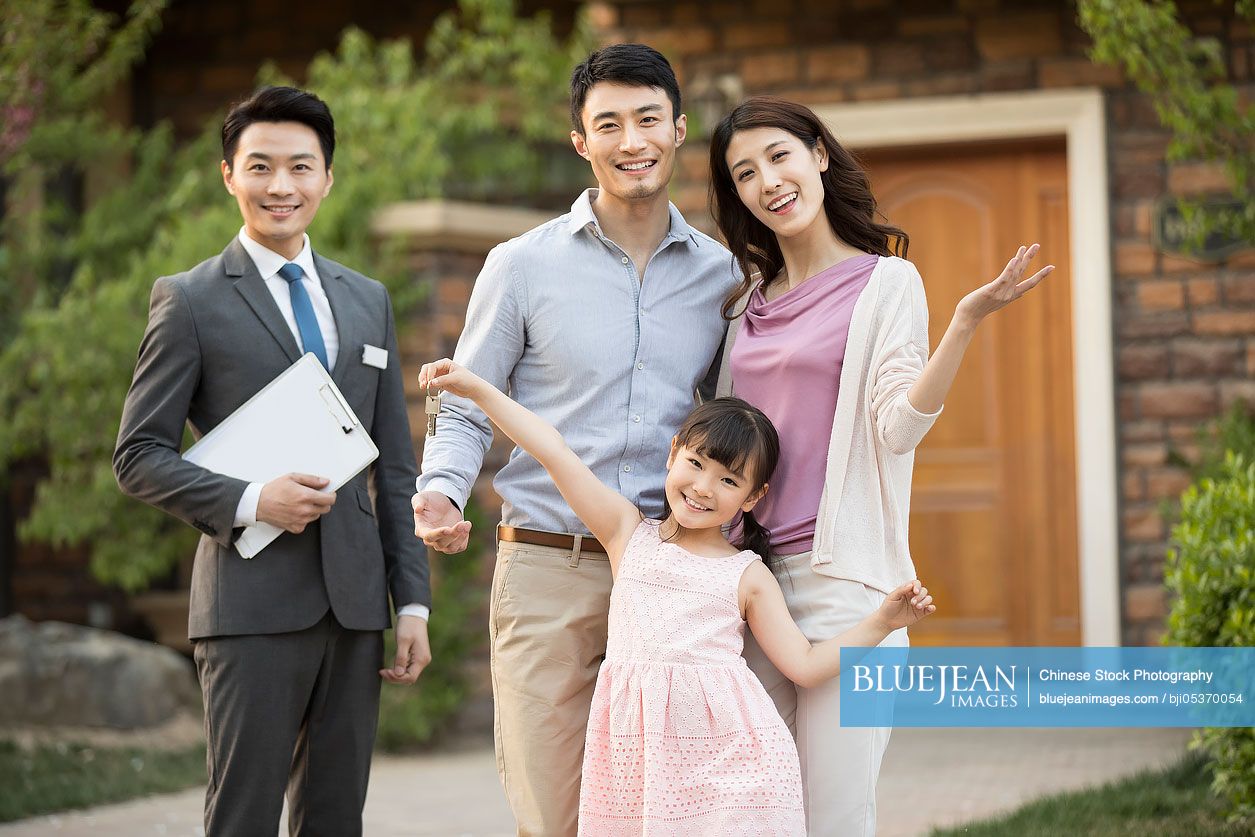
[208,54]
[1185,331]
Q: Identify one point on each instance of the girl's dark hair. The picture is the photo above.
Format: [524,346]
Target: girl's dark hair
[280,104]
[848,200]
[741,438]
[631,64]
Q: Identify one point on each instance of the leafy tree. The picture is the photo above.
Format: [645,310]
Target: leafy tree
[474,117]
[476,112]
[1185,77]
[58,63]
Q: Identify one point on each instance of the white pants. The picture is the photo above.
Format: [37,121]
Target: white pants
[839,766]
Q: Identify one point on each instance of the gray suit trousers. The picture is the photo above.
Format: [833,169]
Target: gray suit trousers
[295,710]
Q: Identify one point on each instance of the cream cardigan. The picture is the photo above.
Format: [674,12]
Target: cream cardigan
[861,530]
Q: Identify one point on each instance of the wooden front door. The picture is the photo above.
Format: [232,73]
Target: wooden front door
[993,511]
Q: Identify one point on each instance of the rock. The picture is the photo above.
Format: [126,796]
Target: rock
[57,674]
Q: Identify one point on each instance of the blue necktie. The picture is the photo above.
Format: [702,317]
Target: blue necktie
[303,309]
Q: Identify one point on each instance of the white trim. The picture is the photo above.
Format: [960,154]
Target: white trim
[1077,115]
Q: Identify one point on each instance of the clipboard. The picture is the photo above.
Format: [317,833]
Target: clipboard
[298,422]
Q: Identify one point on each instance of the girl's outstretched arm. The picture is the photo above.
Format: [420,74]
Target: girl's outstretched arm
[607,514]
[807,664]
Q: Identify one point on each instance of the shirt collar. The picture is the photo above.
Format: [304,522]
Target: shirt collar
[268,261]
[583,217]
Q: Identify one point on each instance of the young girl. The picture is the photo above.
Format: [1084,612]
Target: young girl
[830,339]
[682,739]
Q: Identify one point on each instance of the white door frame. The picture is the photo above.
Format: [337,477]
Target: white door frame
[1077,115]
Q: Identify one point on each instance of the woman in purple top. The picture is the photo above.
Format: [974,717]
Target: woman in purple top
[829,338]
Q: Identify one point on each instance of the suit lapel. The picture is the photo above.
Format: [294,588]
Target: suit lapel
[252,287]
[343,310]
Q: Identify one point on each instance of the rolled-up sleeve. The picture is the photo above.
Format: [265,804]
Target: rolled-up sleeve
[900,360]
[491,345]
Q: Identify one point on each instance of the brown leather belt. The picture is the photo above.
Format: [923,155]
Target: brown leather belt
[557,540]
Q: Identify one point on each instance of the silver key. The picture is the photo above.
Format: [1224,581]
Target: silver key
[431,407]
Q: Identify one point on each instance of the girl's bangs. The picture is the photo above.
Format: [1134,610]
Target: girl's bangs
[727,439]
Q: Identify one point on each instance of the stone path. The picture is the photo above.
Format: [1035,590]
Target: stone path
[931,777]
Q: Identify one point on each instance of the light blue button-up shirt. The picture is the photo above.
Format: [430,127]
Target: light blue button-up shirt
[560,320]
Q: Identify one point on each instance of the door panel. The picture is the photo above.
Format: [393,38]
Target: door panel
[993,516]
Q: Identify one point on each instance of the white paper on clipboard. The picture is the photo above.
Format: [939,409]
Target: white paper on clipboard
[298,423]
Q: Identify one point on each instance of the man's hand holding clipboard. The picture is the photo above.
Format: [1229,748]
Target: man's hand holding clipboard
[293,501]
[299,438]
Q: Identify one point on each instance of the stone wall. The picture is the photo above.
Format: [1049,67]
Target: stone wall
[1185,331]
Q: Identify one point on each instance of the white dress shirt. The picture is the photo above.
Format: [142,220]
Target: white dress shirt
[268,263]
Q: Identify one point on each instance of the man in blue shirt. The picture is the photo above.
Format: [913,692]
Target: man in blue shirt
[606,322]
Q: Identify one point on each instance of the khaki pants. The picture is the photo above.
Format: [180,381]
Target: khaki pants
[839,766]
[547,628]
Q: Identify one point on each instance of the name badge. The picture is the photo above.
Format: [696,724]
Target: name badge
[374,356]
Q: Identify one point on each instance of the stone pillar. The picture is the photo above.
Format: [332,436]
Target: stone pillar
[446,243]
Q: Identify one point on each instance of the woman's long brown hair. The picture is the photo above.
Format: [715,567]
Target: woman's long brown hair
[848,200]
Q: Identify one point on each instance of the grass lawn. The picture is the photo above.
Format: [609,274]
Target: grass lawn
[1176,802]
[57,777]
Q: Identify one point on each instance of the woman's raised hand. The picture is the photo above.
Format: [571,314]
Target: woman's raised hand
[446,375]
[1007,288]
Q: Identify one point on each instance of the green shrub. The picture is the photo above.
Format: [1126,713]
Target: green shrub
[45,778]
[1211,569]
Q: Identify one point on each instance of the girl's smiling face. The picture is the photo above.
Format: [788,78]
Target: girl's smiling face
[777,177]
[703,493]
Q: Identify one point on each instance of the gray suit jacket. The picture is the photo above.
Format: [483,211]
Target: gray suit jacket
[214,338]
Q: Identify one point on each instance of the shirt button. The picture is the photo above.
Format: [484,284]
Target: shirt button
[624,260]
[627,469]
[640,366]
[636,418]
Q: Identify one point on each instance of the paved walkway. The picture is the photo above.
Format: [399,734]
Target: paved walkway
[931,777]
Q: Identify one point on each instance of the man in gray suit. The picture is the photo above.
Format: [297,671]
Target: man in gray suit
[287,645]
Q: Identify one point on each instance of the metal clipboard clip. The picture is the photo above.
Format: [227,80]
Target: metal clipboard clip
[339,410]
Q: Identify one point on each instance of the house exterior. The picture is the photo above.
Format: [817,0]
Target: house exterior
[1038,503]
